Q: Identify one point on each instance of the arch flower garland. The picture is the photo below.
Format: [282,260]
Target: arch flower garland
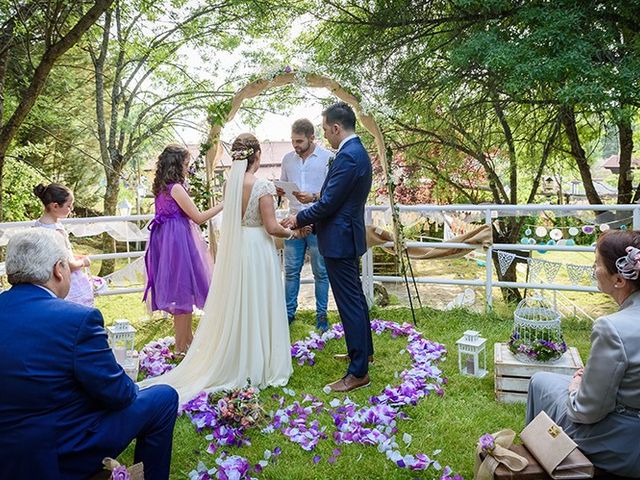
[297,419]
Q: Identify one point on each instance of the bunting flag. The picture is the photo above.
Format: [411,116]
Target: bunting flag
[535,267]
[550,270]
[505,259]
[576,272]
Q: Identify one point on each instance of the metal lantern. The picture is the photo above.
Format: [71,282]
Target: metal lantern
[472,355]
[121,337]
[537,334]
[124,208]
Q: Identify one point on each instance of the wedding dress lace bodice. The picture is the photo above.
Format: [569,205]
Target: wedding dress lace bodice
[252,217]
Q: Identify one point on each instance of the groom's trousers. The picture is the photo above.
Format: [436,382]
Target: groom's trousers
[344,277]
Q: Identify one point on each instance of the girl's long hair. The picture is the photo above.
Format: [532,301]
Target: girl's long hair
[169,168]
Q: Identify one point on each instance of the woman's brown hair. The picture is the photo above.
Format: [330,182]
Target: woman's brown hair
[245,147]
[52,193]
[169,167]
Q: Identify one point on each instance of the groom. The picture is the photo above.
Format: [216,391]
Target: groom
[338,217]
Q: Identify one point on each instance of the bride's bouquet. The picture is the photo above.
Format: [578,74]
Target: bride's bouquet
[239,407]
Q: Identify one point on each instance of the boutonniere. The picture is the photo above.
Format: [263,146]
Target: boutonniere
[330,162]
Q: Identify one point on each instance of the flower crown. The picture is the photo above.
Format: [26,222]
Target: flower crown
[241,154]
[629,265]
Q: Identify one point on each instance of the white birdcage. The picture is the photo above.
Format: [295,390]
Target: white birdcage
[472,355]
[537,333]
[121,336]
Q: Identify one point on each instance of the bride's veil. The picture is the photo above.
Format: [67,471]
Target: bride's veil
[223,303]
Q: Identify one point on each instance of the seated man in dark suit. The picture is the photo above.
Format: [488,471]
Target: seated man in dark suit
[65,402]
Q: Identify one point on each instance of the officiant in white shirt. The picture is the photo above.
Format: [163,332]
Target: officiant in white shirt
[307,167]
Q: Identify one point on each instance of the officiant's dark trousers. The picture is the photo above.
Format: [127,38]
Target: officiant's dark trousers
[344,277]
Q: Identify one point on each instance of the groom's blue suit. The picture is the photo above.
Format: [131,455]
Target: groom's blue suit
[338,217]
[65,403]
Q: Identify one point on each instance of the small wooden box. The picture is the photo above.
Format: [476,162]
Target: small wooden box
[512,376]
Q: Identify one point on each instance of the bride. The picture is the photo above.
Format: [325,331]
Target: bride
[243,334]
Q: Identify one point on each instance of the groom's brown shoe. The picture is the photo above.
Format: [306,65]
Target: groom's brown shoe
[349,383]
[344,357]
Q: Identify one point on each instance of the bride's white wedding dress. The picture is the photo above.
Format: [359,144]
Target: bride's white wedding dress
[243,334]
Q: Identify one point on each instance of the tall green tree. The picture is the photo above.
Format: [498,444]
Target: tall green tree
[145,84]
[507,83]
[43,31]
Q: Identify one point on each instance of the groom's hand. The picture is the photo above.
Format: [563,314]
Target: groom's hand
[289,222]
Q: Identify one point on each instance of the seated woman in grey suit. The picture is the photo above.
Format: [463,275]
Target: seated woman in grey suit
[599,408]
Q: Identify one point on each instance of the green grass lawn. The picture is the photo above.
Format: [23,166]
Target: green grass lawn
[451,423]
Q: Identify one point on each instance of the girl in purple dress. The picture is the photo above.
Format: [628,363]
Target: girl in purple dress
[177,259]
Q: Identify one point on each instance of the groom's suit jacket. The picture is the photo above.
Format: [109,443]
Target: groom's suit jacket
[58,376]
[339,214]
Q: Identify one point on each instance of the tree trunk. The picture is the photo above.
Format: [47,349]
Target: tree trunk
[1,187]
[509,234]
[110,204]
[577,152]
[508,136]
[625,134]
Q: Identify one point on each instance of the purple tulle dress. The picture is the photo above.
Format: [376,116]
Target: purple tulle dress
[177,259]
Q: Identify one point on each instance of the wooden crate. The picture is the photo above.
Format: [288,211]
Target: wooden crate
[512,376]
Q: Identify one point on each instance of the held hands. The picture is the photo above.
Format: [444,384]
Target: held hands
[302,232]
[280,192]
[289,222]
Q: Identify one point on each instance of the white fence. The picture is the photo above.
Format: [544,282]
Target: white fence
[489,212]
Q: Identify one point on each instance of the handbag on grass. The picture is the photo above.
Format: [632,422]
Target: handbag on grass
[554,450]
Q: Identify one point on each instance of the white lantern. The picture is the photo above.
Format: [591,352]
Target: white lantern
[470,348]
[121,337]
[124,208]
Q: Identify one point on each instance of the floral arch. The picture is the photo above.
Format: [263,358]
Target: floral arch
[222,113]
[226,111]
